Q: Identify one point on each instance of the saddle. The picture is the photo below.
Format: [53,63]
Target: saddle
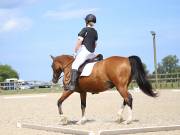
[99,57]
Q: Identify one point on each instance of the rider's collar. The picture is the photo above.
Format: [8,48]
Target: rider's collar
[89,26]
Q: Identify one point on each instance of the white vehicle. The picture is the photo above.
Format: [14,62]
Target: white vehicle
[26,85]
[22,87]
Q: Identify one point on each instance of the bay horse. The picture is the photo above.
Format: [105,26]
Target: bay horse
[111,72]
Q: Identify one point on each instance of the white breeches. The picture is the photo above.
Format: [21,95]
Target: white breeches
[81,57]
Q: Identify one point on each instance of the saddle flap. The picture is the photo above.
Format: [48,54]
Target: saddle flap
[99,57]
[87,69]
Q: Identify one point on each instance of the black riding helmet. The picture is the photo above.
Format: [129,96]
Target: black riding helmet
[90,18]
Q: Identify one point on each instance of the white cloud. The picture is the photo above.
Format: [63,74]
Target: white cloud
[11,15]
[9,25]
[10,20]
[70,14]
[15,24]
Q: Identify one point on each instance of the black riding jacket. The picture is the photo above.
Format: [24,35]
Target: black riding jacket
[90,37]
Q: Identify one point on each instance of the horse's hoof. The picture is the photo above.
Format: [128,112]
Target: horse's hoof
[120,120]
[82,121]
[63,120]
[127,122]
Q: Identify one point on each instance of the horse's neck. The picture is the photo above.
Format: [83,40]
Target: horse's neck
[69,59]
[67,64]
[66,61]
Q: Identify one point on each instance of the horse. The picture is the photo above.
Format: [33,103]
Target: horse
[114,71]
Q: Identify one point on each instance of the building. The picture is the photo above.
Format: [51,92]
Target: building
[9,84]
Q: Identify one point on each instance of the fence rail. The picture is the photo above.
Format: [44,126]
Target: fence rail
[164,81]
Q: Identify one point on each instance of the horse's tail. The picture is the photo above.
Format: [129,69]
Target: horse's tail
[139,74]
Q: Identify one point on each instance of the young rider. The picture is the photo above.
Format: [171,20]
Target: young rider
[86,45]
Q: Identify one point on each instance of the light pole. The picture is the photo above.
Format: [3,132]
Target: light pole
[155,59]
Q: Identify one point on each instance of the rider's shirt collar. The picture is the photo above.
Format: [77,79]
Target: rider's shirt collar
[89,26]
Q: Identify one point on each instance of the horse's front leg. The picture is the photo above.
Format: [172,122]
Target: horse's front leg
[83,96]
[64,95]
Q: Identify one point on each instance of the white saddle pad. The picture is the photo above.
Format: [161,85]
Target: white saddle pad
[88,69]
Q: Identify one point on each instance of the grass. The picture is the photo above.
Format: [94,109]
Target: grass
[31,91]
[167,85]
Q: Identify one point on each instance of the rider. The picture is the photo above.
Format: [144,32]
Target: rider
[86,45]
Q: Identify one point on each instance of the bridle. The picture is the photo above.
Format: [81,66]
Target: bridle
[65,68]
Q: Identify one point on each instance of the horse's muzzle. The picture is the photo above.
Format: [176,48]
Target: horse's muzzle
[54,81]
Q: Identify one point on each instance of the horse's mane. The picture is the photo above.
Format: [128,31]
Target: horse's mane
[64,58]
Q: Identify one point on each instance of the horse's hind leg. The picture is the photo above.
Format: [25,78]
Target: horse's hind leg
[127,101]
[120,112]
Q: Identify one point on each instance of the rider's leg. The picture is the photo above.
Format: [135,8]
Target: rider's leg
[79,60]
[74,76]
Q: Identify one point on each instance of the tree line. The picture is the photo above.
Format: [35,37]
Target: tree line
[168,65]
[7,71]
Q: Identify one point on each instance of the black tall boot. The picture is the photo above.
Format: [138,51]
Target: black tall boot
[74,76]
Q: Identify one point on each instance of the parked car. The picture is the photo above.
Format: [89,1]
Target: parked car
[45,85]
[26,86]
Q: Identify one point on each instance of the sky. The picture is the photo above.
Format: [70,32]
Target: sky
[31,30]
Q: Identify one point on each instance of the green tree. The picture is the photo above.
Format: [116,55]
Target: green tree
[160,69]
[7,72]
[178,69]
[145,69]
[169,64]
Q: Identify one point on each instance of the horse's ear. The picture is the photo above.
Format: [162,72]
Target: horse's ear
[52,57]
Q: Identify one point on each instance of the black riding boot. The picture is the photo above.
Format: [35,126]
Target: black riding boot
[74,76]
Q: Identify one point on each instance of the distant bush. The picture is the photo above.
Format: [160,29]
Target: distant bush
[7,72]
